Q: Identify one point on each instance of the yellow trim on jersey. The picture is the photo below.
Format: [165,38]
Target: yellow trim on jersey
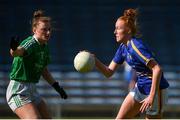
[139,53]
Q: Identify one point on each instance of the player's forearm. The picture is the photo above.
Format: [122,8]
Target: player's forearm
[18,52]
[157,72]
[103,68]
[48,77]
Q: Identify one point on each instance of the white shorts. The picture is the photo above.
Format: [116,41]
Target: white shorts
[21,93]
[160,100]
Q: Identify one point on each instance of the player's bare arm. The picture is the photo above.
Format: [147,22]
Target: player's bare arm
[157,72]
[47,76]
[108,71]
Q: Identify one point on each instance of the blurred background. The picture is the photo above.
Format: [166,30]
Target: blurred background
[89,24]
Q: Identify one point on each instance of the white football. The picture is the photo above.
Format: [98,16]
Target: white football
[84,62]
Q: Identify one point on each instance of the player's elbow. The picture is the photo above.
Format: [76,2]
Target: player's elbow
[13,54]
[158,69]
[18,52]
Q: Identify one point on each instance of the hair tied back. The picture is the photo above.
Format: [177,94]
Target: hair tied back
[38,13]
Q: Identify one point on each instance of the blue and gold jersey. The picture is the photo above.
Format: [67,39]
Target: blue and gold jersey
[137,55]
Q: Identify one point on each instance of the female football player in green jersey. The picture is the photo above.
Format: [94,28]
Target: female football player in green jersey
[31,58]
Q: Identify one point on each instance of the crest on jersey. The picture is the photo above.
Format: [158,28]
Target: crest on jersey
[129,57]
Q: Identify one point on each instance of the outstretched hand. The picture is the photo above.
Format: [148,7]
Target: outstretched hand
[14,43]
[60,90]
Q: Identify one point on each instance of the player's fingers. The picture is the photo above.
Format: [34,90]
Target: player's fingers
[147,106]
[150,106]
[84,51]
[143,107]
[93,55]
[63,94]
[142,101]
[65,97]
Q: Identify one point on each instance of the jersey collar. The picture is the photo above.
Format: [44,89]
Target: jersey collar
[36,39]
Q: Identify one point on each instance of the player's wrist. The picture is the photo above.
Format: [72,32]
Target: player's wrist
[60,90]
[55,84]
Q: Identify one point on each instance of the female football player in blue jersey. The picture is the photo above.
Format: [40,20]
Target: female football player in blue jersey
[149,93]
[31,58]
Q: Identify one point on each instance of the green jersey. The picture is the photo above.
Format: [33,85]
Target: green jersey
[28,68]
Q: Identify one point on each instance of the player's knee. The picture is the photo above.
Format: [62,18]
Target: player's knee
[123,116]
[32,114]
[29,116]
